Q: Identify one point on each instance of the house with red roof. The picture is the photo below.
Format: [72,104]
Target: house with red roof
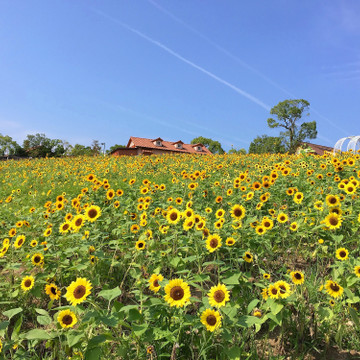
[158,146]
[314,149]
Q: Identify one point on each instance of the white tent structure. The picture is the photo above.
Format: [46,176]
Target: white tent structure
[353,142]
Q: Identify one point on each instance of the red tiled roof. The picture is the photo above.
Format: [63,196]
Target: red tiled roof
[318,149]
[166,145]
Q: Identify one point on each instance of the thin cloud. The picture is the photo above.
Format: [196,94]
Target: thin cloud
[241,62]
[219,47]
[192,64]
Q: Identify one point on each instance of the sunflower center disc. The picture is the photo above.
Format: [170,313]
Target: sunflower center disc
[53,290]
[213,243]
[177,293]
[156,283]
[237,212]
[173,216]
[219,296]
[334,287]
[297,276]
[27,283]
[342,254]
[79,292]
[211,320]
[67,319]
[92,213]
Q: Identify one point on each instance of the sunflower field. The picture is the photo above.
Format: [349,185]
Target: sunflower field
[180,257]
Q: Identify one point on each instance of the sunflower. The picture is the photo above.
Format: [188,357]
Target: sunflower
[92,213]
[332,200]
[154,282]
[27,283]
[230,241]
[6,242]
[220,213]
[211,319]
[265,293]
[78,291]
[257,313]
[294,226]
[12,232]
[140,245]
[134,228]
[266,276]
[67,319]
[297,277]
[357,271]
[213,242]
[4,250]
[273,291]
[37,259]
[260,229]
[267,223]
[110,194]
[298,197]
[77,222]
[47,232]
[53,291]
[332,302]
[248,257]
[218,295]
[188,223]
[350,188]
[333,221]
[19,242]
[333,289]
[177,293]
[284,289]
[282,218]
[342,254]
[64,227]
[238,212]
[173,216]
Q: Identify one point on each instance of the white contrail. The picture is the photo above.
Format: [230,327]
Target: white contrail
[178,56]
[241,62]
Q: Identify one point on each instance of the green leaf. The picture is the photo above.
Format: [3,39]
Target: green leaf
[252,305]
[354,317]
[44,320]
[140,329]
[110,294]
[4,325]
[74,337]
[17,327]
[42,312]
[93,354]
[37,334]
[234,353]
[12,312]
[247,321]
[232,280]
[175,261]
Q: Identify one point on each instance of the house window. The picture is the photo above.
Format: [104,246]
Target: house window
[198,148]
[178,146]
[158,143]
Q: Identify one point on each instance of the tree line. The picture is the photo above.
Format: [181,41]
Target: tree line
[287,113]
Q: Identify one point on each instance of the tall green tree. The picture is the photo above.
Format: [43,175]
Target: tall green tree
[39,145]
[79,149]
[213,145]
[241,151]
[8,146]
[289,114]
[267,145]
[114,147]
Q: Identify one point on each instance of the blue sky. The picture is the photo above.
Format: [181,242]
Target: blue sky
[107,70]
